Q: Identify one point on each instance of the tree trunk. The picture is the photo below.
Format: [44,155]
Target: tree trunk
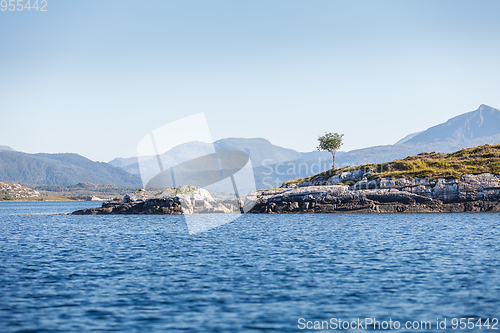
[333,157]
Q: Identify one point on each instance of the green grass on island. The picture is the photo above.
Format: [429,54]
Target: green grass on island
[477,160]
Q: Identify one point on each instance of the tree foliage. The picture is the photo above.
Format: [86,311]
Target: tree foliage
[330,142]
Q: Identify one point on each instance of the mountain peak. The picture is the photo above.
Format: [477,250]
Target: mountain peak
[243,141]
[483,122]
[485,107]
[6,148]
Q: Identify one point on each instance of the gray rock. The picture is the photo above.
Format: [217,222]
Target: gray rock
[365,185]
[179,200]
[133,197]
[472,193]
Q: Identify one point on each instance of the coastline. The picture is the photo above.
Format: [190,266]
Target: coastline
[332,199]
[464,181]
[306,199]
[52,199]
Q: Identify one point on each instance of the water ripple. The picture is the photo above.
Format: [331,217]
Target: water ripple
[258,273]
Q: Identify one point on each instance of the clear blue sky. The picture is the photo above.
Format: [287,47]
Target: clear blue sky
[94,77]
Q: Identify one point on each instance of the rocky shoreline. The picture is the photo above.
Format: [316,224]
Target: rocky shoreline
[330,194]
[333,199]
[172,201]
[470,193]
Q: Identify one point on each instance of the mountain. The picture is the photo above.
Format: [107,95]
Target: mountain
[260,150]
[408,137]
[6,148]
[471,129]
[121,162]
[481,123]
[274,165]
[61,170]
[185,152]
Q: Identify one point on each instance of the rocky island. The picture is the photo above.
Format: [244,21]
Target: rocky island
[184,199]
[465,181]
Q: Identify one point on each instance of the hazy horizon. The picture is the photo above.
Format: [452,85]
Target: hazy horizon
[93,78]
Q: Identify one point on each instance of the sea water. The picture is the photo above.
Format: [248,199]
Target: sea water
[259,273]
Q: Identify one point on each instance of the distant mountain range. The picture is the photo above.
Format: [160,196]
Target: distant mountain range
[260,150]
[481,123]
[272,164]
[470,129]
[61,170]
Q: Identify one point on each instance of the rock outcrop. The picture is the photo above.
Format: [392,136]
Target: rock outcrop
[322,194]
[470,193]
[467,187]
[16,192]
[334,199]
[175,200]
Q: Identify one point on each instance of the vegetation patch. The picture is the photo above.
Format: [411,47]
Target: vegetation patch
[297,181]
[274,189]
[477,160]
[6,196]
[482,159]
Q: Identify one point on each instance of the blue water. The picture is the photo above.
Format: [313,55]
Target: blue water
[259,273]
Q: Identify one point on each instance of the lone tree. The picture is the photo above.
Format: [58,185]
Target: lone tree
[330,142]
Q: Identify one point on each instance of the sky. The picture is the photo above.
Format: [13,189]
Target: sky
[94,77]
